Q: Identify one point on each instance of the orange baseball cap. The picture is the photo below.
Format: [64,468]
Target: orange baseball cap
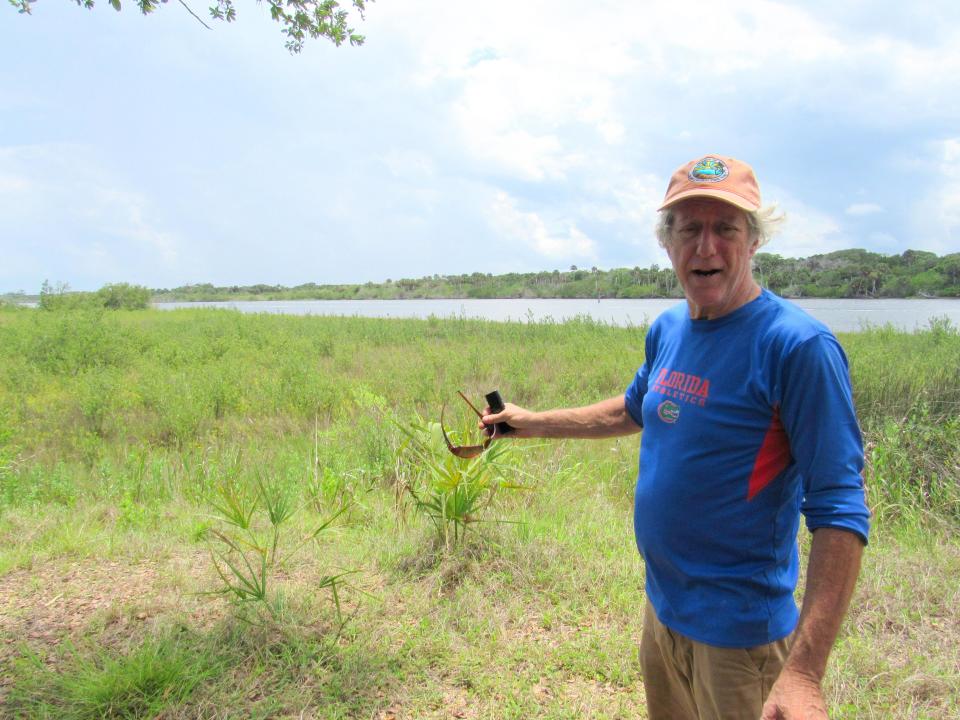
[715,176]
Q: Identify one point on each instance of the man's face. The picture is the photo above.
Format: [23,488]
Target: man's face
[711,248]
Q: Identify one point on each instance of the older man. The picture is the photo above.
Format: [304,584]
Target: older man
[748,421]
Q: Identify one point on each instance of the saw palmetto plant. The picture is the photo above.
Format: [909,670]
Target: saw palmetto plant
[252,537]
[454,492]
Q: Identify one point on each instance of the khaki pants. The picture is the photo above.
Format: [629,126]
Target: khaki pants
[687,680]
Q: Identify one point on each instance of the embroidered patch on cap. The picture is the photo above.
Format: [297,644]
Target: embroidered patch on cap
[708,170]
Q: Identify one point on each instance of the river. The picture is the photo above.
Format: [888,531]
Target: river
[838,315]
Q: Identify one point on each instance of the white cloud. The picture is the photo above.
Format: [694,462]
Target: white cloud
[619,196]
[933,217]
[859,209]
[559,243]
[884,243]
[807,231]
[938,214]
[945,206]
[520,99]
[612,131]
[734,37]
[518,152]
[10,184]
[62,200]
[534,97]
[516,115]
[797,57]
[121,215]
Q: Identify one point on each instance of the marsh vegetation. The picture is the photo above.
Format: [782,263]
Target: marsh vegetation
[209,514]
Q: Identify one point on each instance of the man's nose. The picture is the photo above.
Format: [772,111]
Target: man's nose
[707,242]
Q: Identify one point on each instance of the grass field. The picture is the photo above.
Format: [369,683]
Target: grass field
[211,515]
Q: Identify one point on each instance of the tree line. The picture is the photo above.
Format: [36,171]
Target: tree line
[842,274]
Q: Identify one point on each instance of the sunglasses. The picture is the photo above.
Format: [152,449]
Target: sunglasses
[467,451]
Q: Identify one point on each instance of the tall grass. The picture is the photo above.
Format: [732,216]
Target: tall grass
[132,399]
[896,373]
[117,430]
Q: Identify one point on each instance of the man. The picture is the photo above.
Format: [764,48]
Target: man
[748,421]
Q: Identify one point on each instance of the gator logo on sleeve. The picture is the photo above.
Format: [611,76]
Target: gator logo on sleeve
[668,411]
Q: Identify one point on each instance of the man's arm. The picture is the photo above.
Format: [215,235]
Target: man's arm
[831,576]
[607,418]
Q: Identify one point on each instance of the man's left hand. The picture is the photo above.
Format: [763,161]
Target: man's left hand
[795,697]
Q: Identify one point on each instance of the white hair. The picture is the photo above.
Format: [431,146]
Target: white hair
[763,224]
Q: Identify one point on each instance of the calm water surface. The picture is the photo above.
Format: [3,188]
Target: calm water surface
[838,315]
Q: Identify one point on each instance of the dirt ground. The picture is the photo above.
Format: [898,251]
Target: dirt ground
[54,602]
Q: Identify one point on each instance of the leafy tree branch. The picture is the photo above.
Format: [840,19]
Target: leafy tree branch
[300,20]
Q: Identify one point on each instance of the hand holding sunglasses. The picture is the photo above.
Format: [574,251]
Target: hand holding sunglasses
[471,451]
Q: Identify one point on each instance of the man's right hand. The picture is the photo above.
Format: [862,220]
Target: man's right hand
[607,418]
[522,421]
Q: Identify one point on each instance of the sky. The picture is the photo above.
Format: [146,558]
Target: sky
[496,136]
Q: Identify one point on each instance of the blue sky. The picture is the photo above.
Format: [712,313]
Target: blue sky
[497,136]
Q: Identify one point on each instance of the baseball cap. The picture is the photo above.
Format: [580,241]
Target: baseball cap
[715,176]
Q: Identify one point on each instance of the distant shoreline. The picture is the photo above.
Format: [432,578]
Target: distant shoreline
[260,298]
[845,274]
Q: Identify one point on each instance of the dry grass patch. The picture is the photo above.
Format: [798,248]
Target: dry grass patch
[899,656]
[65,600]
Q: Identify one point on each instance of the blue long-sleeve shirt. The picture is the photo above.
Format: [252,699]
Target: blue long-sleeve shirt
[748,421]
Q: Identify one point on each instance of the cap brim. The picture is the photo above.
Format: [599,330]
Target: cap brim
[715,193]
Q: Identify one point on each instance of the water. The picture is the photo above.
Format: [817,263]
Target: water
[838,315]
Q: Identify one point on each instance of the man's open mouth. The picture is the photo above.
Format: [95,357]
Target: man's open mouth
[705,273]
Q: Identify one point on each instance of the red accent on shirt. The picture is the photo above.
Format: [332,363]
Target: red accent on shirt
[773,457]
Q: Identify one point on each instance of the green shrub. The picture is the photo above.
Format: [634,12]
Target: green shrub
[117,296]
[123,296]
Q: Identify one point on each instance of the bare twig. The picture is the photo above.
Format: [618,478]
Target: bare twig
[199,20]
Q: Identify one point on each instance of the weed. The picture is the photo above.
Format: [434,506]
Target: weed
[249,541]
[453,493]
